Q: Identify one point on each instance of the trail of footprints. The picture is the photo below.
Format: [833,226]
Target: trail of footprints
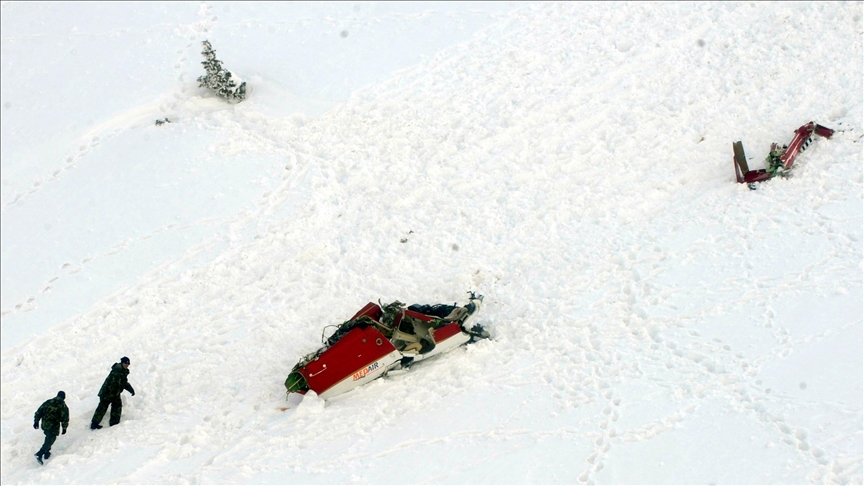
[85,147]
[603,443]
[91,142]
[734,381]
[72,267]
[69,268]
[709,368]
[194,33]
[733,375]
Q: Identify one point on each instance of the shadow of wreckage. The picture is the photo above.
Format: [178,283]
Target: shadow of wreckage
[382,339]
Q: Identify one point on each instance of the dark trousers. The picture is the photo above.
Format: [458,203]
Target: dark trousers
[49,441]
[116,408]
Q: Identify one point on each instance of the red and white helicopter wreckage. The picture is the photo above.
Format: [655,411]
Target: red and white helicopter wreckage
[780,158]
[382,339]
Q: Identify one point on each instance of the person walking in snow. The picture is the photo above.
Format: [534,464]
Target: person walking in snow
[53,413]
[110,392]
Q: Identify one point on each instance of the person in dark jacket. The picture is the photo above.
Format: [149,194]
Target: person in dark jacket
[110,392]
[53,413]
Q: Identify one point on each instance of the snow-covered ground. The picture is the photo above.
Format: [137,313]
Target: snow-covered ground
[652,320]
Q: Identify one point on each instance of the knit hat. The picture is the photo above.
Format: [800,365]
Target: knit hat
[124,359]
[61,394]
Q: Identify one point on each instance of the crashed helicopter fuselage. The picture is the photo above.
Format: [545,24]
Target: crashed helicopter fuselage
[381,339]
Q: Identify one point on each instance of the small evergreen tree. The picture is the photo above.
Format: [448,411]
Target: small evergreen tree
[218,78]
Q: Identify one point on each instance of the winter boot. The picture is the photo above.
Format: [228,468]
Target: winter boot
[39,457]
[46,455]
[94,426]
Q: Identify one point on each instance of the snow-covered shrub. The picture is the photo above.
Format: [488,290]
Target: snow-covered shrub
[218,78]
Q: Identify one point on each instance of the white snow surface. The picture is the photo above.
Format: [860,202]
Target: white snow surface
[652,321]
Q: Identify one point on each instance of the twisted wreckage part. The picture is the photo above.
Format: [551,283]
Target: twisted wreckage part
[382,339]
[780,159]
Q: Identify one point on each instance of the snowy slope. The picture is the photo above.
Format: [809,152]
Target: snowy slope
[652,321]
